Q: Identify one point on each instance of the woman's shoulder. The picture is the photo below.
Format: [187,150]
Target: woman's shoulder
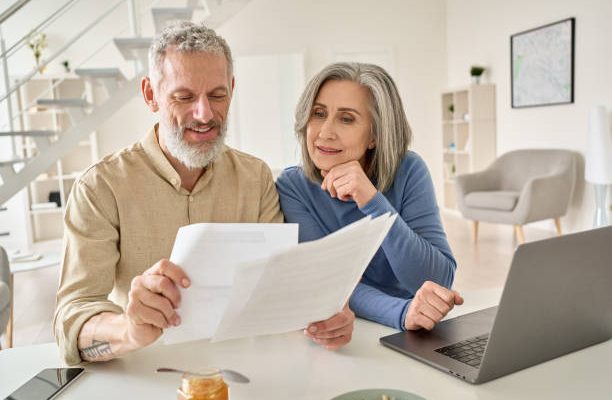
[290,175]
[412,163]
[293,178]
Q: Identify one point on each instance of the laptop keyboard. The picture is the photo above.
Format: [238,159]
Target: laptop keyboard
[468,351]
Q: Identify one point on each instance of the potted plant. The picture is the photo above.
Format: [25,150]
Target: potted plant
[476,72]
[37,42]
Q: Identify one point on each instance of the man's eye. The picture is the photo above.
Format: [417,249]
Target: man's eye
[184,98]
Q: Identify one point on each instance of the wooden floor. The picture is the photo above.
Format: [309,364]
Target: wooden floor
[480,266]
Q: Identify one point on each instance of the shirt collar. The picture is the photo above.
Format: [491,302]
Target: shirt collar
[151,146]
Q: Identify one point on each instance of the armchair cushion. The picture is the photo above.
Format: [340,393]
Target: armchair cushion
[503,200]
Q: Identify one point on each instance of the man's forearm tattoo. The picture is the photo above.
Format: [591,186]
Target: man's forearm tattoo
[96,350]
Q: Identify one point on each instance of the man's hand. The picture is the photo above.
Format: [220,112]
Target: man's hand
[347,182]
[334,332]
[153,299]
[430,304]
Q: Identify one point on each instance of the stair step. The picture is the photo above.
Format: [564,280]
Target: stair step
[99,73]
[28,133]
[135,48]
[63,103]
[6,163]
[221,11]
[162,16]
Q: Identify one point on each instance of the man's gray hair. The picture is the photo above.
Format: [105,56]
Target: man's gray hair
[390,128]
[186,36]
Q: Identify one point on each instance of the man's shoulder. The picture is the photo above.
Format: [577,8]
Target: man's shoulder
[242,162]
[115,165]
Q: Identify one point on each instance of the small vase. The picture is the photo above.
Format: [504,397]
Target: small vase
[476,79]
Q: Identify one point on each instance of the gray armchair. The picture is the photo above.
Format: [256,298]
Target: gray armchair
[5,295]
[521,186]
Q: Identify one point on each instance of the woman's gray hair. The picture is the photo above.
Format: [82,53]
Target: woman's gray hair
[186,36]
[390,127]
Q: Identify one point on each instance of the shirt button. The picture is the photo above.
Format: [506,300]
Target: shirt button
[173,181]
[191,198]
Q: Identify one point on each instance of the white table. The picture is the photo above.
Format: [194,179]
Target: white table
[48,259]
[291,367]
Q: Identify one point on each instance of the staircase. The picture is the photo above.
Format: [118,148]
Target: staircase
[16,173]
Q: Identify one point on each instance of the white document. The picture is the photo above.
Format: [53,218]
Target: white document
[302,284]
[209,254]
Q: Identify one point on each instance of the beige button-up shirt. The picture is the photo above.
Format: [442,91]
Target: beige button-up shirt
[123,215]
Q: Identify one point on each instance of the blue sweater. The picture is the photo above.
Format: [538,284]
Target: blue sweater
[414,251]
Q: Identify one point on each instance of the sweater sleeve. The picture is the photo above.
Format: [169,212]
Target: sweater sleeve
[366,301]
[416,246]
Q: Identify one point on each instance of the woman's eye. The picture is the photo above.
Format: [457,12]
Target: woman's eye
[318,113]
[347,119]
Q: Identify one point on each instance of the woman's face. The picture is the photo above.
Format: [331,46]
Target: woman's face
[339,128]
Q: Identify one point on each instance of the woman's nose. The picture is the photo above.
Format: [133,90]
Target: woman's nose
[327,130]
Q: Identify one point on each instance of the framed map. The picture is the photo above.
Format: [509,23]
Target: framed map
[543,65]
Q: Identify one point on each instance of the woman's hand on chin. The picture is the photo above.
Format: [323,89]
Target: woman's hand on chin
[347,182]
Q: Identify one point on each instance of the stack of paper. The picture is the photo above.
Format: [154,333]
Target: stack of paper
[288,289]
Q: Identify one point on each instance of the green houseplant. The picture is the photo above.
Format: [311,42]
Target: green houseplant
[476,72]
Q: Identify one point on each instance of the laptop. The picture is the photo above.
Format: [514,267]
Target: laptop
[557,299]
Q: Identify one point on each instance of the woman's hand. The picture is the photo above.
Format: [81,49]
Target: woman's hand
[334,332]
[430,304]
[347,182]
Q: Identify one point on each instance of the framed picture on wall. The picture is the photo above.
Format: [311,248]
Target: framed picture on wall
[542,69]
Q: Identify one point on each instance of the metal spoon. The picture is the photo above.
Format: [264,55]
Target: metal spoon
[228,374]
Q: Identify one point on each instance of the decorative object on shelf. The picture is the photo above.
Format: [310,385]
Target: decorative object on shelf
[543,65]
[598,166]
[54,197]
[66,65]
[37,42]
[468,136]
[476,72]
[451,109]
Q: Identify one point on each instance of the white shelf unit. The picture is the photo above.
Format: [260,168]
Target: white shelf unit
[468,134]
[53,186]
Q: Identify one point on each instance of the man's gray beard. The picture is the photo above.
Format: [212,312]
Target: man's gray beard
[192,156]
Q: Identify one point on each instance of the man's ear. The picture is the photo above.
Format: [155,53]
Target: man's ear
[146,87]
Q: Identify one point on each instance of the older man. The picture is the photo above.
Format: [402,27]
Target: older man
[118,291]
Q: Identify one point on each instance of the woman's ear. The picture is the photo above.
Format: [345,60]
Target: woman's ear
[372,144]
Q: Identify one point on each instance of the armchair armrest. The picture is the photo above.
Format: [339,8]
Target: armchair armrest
[544,197]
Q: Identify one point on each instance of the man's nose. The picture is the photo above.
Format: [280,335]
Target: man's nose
[201,110]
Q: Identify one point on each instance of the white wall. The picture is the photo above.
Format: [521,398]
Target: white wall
[478,32]
[410,32]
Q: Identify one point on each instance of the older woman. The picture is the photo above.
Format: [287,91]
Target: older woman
[354,138]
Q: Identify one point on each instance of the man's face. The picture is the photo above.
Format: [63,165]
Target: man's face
[193,98]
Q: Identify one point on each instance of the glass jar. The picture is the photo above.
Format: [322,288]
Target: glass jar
[207,386]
